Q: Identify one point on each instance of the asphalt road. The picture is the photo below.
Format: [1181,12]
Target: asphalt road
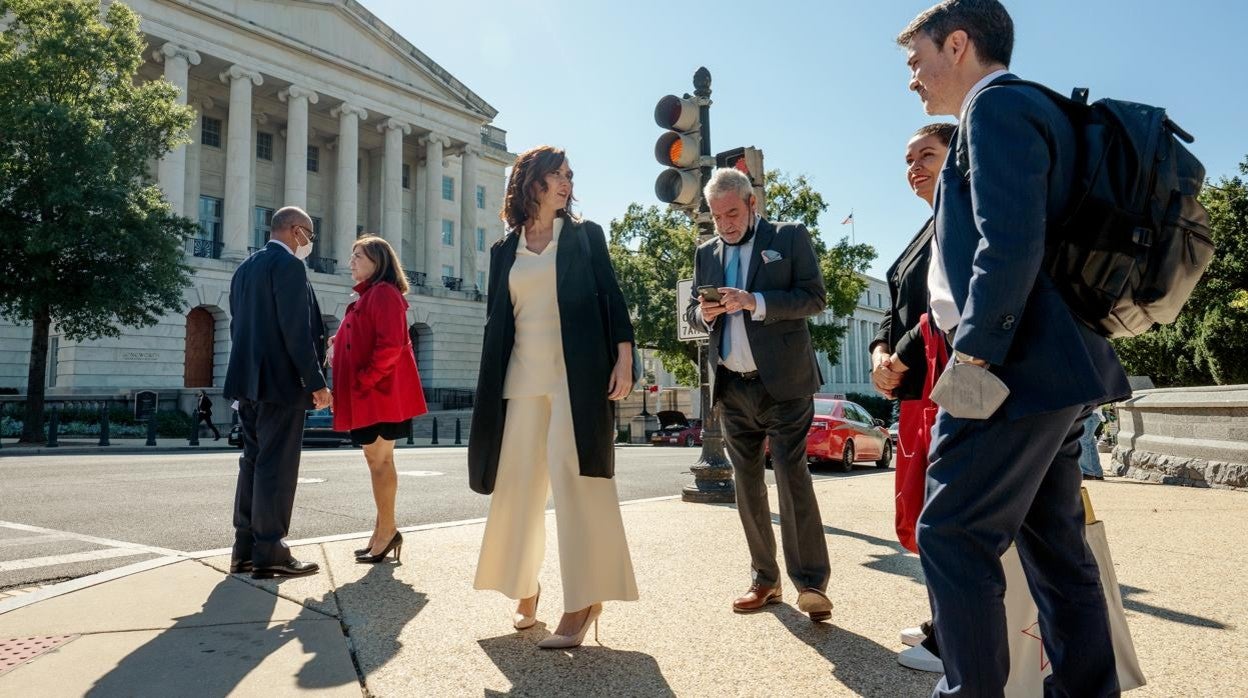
[66,516]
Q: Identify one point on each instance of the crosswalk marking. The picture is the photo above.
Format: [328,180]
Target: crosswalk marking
[102,554]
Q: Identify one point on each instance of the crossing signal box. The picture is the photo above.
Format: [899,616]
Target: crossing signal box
[679,149]
[750,161]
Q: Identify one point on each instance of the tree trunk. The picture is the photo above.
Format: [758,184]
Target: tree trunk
[36,379]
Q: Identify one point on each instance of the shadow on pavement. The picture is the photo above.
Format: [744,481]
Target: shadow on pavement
[1164,613]
[589,670]
[203,656]
[864,666]
[387,605]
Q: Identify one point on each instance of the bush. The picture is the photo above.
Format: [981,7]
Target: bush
[879,407]
[121,423]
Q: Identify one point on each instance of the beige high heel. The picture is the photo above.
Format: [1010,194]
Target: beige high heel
[519,621]
[560,642]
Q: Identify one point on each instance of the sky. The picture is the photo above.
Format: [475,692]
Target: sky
[820,87]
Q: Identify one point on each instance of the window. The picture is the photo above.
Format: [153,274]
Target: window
[448,232]
[314,159]
[210,132]
[448,188]
[481,281]
[263,225]
[480,196]
[264,146]
[879,300]
[407,176]
[448,271]
[480,239]
[316,235]
[210,211]
[54,357]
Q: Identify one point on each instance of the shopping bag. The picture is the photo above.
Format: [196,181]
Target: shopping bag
[1028,661]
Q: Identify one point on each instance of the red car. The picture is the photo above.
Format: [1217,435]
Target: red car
[844,433]
[677,430]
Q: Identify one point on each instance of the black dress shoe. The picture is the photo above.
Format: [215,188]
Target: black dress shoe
[240,566]
[290,568]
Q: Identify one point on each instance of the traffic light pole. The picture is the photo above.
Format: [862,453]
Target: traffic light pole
[712,474]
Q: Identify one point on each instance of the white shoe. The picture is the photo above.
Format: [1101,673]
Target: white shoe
[911,637]
[918,657]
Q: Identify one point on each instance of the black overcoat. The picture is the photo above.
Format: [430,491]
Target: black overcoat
[593,320]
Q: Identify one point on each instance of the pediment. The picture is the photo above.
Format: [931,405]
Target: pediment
[344,30]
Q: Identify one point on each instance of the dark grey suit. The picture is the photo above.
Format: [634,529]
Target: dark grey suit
[1014,477]
[277,349]
[777,404]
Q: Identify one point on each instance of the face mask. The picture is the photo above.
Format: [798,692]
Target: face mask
[302,251]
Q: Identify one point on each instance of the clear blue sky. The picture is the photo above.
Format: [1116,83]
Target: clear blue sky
[819,86]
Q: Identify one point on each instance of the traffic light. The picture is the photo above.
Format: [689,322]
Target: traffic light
[680,150]
[750,161]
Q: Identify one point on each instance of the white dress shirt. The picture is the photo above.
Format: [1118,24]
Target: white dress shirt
[742,358]
[284,245]
[944,310]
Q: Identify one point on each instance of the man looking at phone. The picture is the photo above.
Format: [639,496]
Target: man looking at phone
[756,284]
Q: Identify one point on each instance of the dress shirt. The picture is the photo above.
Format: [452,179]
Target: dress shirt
[944,310]
[284,245]
[742,357]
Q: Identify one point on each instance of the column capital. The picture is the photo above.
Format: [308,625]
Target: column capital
[296,92]
[435,139]
[205,103]
[349,109]
[472,151]
[394,125]
[238,72]
[172,50]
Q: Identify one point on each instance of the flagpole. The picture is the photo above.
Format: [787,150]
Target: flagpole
[853,232]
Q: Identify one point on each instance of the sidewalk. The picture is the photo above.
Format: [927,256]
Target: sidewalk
[418,628]
[76,446]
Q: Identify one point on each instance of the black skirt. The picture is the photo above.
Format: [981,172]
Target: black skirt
[390,431]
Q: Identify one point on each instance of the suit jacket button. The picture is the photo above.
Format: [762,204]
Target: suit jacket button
[1007,322]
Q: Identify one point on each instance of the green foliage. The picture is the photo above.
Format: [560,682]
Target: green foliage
[652,248]
[86,241]
[1208,344]
[879,407]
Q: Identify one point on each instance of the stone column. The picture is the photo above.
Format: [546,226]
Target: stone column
[238,161]
[392,183]
[434,145]
[468,219]
[346,188]
[171,171]
[297,100]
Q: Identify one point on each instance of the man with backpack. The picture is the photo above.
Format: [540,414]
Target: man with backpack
[1004,461]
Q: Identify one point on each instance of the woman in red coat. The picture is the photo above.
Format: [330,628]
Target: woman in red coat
[377,389]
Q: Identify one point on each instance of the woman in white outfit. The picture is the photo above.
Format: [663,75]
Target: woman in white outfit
[557,351]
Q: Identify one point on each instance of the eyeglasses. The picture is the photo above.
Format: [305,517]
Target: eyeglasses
[306,232]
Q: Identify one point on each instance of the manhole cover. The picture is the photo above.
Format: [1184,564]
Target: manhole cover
[310,480]
[421,473]
[17,651]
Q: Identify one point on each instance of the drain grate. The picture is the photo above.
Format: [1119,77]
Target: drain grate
[17,651]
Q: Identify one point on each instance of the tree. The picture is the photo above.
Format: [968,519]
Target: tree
[652,248]
[1208,343]
[86,241]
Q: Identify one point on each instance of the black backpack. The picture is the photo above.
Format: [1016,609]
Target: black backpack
[1134,240]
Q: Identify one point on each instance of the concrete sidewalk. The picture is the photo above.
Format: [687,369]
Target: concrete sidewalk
[418,628]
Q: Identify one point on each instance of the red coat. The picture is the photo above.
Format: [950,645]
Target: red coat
[375,378]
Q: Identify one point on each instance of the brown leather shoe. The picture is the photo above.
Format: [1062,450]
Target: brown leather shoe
[816,603]
[756,598]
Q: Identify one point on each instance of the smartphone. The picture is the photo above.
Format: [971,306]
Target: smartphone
[710,293]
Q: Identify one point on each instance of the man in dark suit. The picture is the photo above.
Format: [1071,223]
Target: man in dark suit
[1014,476]
[277,341]
[768,282]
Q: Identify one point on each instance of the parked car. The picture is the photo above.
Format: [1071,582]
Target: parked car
[844,433]
[892,434]
[318,430]
[677,430]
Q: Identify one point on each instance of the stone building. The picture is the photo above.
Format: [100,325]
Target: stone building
[851,373]
[319,104]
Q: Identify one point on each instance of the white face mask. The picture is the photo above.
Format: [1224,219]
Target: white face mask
[302,251]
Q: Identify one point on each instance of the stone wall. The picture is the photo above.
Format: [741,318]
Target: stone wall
[1185,436]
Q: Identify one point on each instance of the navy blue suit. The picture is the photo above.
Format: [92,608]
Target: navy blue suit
[1014,478]
[276,354]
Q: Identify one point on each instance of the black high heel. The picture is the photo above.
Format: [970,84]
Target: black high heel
[395,544]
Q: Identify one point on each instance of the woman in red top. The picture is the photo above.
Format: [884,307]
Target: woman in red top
[377,389]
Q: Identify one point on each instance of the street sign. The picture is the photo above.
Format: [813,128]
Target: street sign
[684,331]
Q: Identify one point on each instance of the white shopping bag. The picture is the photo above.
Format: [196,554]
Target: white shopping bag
[1029,663]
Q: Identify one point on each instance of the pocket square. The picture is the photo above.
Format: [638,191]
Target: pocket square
[770,256]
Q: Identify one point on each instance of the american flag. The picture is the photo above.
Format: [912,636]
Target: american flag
[848,219]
